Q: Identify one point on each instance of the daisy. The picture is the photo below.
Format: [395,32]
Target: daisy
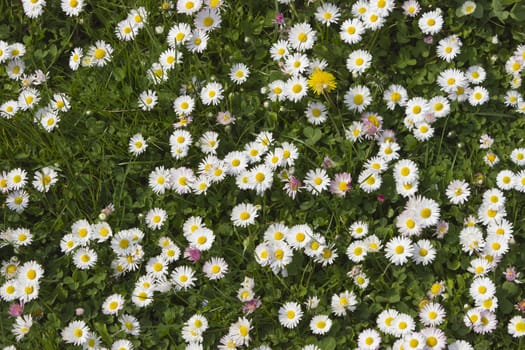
[482,288]
[416,108]
[358,61]
[28,99]
[432,314]
[440,106]
[413,341]
[468,8]
[192,224]
[431,22]
[369,339]
[72,8]
[460,345]
[17,200]
[290,153]
[182,277]
[265,139]
[169,58]
[351,31]
[178,34]
[15,69]
[298,236]
[358,98]
[358,229]
[423,252]
[48,118]
[448,48]
[276,90]
[155,218]
[478,96]
[279,50]
[85,258]
[398,250]
[327,14]
[395,95]
[476,74]
[22,326]
[423,131]
[159,180]
[157,267]
[275,232]
[517,156]
[373,20]
[491,159]
[296,88]
[302,37]
[519,181]
[16,179]
[142,297]
[207,19]
[320,324]
[341,184]
[129,324]
[4,51]
[281,256]
[183,105]
[201,239]
[102,231]
[406,170]
[434,338]
[361,280]
[426,210]
[402,325]
[235,162]
[20,237]
[240,331]
[494,197]
[451,79]
[198,41]
[385,320]
[100,53]
[139,17]
[360,8]
[516,326]
[215,268]
[369,181]
[137,145]
[274,159]
[296,63]
[260,179]
[211,93]
[290,315]
[122,344]
[512,98]
[75,333]
[239,73]
[343,302]
[480,267]
[9,109]
[505,180]
[188,7]
[113,304]
[126,30]
[244,214]
[328,255]
[458,191]
[75,58]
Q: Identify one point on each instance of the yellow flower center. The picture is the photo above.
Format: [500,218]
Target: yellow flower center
[100,53]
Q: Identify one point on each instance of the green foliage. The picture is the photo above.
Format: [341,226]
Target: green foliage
[89,151]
